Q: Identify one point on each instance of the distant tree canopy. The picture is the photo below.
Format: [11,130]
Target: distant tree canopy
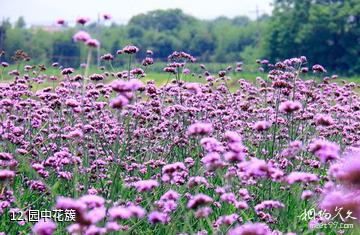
[163,31]
[162,20]
[326,31]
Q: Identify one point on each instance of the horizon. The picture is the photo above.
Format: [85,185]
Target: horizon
[33,17]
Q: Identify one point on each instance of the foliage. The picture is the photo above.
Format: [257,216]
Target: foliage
[328,32]
[219,40]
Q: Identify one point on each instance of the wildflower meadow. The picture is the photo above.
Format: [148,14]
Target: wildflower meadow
[107,151]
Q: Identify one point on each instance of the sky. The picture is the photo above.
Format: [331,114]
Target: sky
[45,12]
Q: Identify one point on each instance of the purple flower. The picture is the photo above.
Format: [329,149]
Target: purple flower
[113,226]
[304,69]
[81,36]
[170,195]
[6,174]
[194,88]
[60,21]
[14,72]
[306,194]
[44,227]
[92,200]
[290,106]
[222,73]
[119,102]
[126,86]
[171,168]
[325,150]
[145,185]
[348,170]
[211,144]
[203,212]
[323,120]
[72,103]
[120,213]
[95,215]
[262,125]
[69,203]
[255,167]
[228,197]
[129,49]
[67,71]
[96,77]
[82,20]
[232,136]
[92,43]
[107,16]
[147,61]
[175,56]
[76,134]
[318,69]
[126,212]
[137,211]
[212,161]
[199,200]
[186,71]
[343,203]
[200,128]
[269,204]
[229,219]
[158,217]
[197,180]
[169,69]
[303,177]
[250,229]
[107,57]
[137,71]
[4,64]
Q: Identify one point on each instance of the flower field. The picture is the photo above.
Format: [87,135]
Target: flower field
[111,153]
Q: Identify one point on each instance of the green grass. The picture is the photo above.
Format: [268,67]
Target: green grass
[160,78]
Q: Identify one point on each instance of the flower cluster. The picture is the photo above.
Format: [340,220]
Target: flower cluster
[214,155]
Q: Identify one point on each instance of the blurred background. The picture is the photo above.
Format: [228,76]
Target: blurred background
[325,31]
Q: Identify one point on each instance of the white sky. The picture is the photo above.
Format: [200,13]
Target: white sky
[47,11]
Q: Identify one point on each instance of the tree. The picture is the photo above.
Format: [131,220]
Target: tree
[326,31]
[162,20]
[20,23]
[4,27]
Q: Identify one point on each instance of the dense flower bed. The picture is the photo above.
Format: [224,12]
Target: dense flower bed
[189,158]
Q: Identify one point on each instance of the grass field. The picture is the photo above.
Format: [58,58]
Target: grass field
[160,78]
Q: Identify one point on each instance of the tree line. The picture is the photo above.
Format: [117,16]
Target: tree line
[326,31]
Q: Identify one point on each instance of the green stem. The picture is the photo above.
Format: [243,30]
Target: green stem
[275,125]
[88,61]
[129,67]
